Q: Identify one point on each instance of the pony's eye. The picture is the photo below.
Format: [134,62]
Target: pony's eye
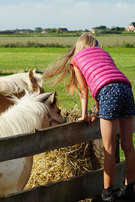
[59,111]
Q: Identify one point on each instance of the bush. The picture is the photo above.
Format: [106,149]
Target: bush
[129,45]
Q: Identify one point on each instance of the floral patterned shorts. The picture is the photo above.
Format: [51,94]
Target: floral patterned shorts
[116,100]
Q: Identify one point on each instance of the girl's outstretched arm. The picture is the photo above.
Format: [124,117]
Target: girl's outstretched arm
[83,94]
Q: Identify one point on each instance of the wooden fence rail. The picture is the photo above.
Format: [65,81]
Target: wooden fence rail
[48,139]
[69,190]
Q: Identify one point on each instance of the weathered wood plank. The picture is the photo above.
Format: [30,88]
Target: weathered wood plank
[69,190]
[48,139]
[51,138]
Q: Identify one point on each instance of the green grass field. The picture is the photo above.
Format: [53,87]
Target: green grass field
[22,59]
[17,59]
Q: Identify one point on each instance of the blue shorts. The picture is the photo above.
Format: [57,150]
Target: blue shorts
[116,101]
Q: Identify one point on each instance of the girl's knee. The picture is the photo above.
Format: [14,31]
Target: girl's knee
[110,150]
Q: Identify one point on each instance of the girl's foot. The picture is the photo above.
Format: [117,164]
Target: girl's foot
[107,194]
[126,192]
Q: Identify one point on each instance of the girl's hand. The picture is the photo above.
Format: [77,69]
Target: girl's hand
[86,119]
[82,119]
[93,117]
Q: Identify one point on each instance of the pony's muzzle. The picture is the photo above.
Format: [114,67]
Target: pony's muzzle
[65,120]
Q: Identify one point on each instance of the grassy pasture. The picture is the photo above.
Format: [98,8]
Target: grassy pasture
[22,59]
[17,59]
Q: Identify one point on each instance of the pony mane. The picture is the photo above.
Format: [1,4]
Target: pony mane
[17,83]
[23,117]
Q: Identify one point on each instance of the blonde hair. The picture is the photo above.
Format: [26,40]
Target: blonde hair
[63,67]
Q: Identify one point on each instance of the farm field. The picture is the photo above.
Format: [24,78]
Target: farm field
[107,40]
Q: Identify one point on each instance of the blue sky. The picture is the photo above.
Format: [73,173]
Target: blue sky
[72,14]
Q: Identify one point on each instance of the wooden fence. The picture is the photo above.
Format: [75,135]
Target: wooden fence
[69,190]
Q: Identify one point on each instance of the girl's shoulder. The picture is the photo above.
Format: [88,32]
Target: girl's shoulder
[73,62]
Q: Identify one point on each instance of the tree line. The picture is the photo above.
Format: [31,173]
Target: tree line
[100,30]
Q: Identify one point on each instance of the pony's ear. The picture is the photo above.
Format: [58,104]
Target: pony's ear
[50,99]
[47,98]
[44,97]
[31,75]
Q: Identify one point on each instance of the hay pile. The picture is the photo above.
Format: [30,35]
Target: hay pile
[65,162]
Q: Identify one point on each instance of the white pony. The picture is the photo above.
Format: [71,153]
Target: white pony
[16,84]
[33,111]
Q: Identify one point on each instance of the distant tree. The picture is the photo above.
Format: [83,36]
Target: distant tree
[7,32]
[26,30]
[86,30]
[38,29]
[102,27]
[58,30]
[119,29]
[53,30]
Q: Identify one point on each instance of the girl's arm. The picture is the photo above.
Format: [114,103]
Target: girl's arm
[97,106]
[83,94]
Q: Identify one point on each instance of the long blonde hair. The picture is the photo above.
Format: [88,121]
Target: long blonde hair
[63,66]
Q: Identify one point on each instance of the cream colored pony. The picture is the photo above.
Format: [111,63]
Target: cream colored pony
[16,84]
[33,111]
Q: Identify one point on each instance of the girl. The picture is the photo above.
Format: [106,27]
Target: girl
[92,67]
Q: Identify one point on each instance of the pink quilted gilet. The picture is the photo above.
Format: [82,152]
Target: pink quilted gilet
[98,69]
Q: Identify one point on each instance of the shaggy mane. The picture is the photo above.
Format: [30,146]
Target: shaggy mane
[26,115]
[17,83]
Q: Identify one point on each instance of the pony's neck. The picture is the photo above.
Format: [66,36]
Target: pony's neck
[17,83]
[14,83]
[22,118]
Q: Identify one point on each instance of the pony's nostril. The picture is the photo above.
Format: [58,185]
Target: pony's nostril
[65,120]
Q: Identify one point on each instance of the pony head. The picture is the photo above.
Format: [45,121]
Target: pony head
[35,81]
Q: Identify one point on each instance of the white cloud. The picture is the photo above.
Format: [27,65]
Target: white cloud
[73,14]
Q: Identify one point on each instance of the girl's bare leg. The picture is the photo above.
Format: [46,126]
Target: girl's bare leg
[108,131]
[126,135]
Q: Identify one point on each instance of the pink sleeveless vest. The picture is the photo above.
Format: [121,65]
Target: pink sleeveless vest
[98,69]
